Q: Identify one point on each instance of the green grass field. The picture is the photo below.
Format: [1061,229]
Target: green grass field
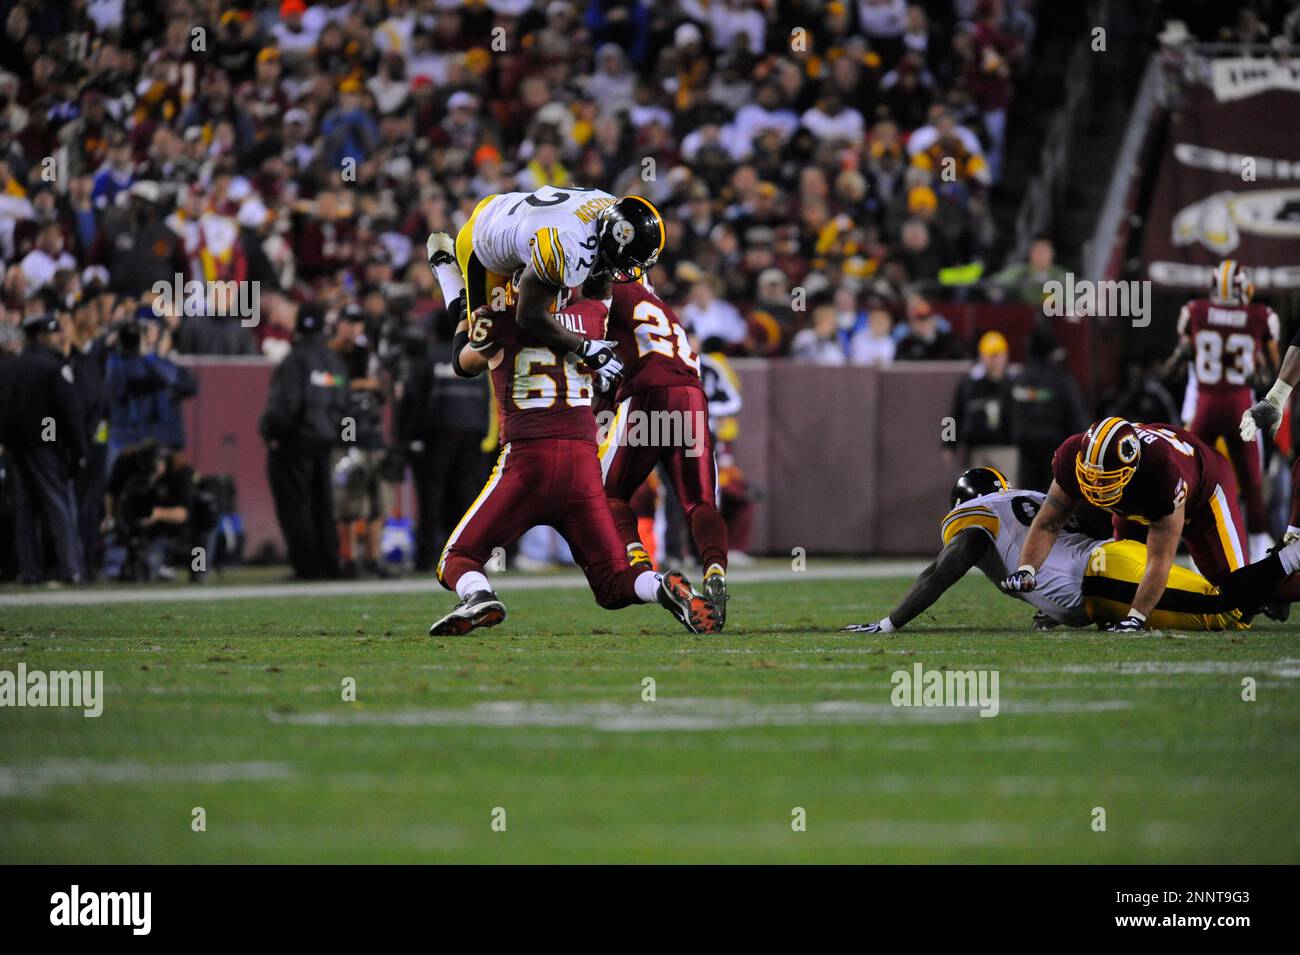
[236,707]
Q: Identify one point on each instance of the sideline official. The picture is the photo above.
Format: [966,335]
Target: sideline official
[301,425]
[45,445]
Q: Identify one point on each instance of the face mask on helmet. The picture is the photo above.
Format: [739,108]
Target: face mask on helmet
[630,238]
[1107,461]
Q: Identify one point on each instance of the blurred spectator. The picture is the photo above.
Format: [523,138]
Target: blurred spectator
[1024,282]
[926,338]
[708,317]
[820,343]
[1047,407]
[982,409]
[874,344]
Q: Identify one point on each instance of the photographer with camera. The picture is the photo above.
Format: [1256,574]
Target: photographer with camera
[149,498]
[361,491]
[145,387]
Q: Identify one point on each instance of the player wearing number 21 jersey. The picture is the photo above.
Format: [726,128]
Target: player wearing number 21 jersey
[661,417]
[1224,336]
[547,473]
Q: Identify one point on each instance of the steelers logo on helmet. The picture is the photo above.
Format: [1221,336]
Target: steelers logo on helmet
[1107,461]
[629,240]
[977,482]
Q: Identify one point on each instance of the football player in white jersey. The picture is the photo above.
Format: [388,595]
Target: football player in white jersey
[527,248]
[1084,580]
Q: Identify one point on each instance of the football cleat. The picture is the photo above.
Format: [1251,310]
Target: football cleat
[441,249]
[679,598]
[480,609]
[715,592]
[637,556]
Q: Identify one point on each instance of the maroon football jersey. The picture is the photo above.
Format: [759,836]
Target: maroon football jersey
[543,393]
[652,343]
[1176,467]
[1226,339]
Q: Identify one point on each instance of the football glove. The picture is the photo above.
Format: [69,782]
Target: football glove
[865,628]
[480,330]
[1261,416]
[1129,624]
[1021,582]
[600,357]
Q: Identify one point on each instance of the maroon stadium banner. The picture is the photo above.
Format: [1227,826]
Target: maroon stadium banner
[1229,179]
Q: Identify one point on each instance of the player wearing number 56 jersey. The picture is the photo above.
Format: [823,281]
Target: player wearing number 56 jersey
[1225,336]
[1157,476]
[662,417]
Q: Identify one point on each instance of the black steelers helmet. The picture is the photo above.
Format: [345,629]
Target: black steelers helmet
[630,235]
[977,482]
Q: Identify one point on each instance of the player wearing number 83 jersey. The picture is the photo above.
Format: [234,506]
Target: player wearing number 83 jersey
[1225,336]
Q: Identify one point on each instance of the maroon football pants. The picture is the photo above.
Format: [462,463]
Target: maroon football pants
[1218,415]
[550,481]
[670,426]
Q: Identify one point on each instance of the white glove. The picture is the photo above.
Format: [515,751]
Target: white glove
[1265,414]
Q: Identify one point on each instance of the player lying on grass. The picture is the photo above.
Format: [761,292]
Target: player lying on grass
[660,386]
[547,472]
[1084,580]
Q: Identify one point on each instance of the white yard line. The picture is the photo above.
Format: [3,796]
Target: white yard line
[506,583]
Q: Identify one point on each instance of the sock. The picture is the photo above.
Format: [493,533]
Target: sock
[715,569]
[647,586]
[1293,529]
[1250,586]
[470,583]
[451,280]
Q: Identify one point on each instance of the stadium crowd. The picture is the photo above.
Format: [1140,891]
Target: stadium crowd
[823,168]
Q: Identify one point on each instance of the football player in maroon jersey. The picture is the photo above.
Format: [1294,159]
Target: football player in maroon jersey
[661,417]
[1157,475]
[1223,335]
[1266,415]
[547,472]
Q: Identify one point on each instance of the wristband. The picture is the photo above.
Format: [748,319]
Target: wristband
[1029,567]
[1277,395]
[886,625]
[1134,612]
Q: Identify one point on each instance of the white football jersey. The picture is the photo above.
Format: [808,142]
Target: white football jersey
[1005,517]
[553,228]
